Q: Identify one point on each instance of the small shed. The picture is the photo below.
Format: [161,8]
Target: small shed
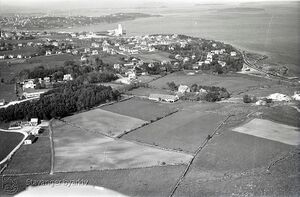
[30,139]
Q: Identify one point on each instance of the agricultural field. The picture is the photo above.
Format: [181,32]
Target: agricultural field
[147,91]
[148,182]
[282,114]
[32,158]
[8,141]
[104,122]
[271,130]
[237,164]
[7,92]
[79,150]
[154,56]
[184,130]
[234,83]
[141,108]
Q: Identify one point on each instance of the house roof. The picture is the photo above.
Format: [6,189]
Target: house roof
[31,137]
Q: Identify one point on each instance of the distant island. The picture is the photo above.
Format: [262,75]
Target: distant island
[242,9]
[52,22]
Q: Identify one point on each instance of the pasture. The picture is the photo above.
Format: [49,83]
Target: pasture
[154,56]
[79,150]
[141,108]
[239,164]
[8,141]
[234,83]
[32,158]
[272,131]
[184,130]
[104,122]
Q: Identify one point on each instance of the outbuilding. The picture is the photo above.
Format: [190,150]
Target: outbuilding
[30,139]
[164,97]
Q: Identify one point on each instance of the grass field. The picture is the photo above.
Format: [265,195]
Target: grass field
[105,122]
[234,83]
[32,158]
[154,56]
[7,92]
[272,131]
[147,91]
[282,114]
[231,157]
[78,150]
[184,130]
[141,108]
[148,182]
[8,141]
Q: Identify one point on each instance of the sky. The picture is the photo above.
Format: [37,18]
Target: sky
[70,4]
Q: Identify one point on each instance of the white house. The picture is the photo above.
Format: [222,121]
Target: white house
[117,66]
[95,45]
[164,97]
[2,57]
[223,64]
[83,58]
[183,89]
[95,52]
[19,56]
[48,52]
[232,53]
[35,130]
[279,97]
[2,102]
[34,121]
[296,96]
[68,77]
[29,84]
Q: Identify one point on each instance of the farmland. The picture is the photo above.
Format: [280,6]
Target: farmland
[140,108]
[184,130]
[8,141]
[104,122]
[154,181]
[234,83]
[239,164]
[271,130]
[155,56]
[33,158]
[79,150]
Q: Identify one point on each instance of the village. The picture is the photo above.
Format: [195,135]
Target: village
[82,102]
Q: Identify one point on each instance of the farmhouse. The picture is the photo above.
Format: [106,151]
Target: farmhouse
[34,121]
[30,139]
[233,54]
[68,77]
[2,102]
[32,93]
[164,97]
[35,131]
[183,89]
[279,97]
[29,84]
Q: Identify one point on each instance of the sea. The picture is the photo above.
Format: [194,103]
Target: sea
[266,28]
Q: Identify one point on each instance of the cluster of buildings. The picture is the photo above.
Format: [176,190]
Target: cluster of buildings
[29,85]
[33,128]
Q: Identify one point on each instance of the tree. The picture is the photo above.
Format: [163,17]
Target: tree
[172,86]
[246,98]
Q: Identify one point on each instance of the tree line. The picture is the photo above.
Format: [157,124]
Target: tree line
[61,101]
